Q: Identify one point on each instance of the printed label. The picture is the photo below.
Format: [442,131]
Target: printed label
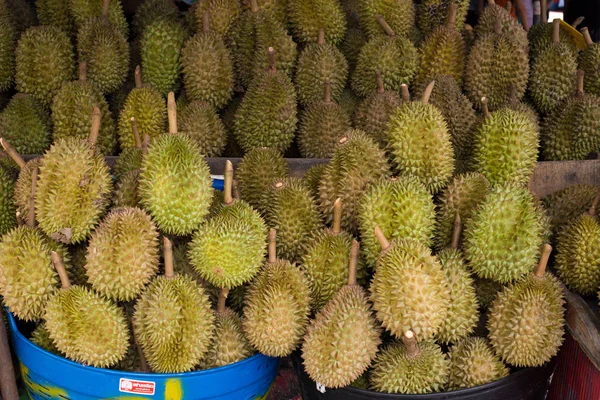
[138,387]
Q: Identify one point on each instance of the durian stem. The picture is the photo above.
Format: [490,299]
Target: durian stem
[12,153]
[327,92]
[172,113]
[592,209]
[105,5]
[136,133]
[410,342]
[337,216]
[228,184]
[272,249]
[556,31]
[456,232]
[427,93]
[254,6]
[168,256]
[580,79]
[451,19]
[484,107]
[586,35]
[59,265]
[145,144]
[31,215]
[380,87]
[541,268]
[405,93]
[223,293]
[83,71]
[95,130]
[353,265]
[385,244]
[272,65]
[384,25]
[577,22]
[206,22]
[321,37]
[138,77]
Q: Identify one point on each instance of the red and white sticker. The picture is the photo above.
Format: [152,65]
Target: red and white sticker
[138,387]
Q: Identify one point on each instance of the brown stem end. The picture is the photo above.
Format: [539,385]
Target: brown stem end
[541,268]
[337,217]
[353,266]
[228,184]
[457,231]
[385,244]
[59,265]
[272,249]
[168,256]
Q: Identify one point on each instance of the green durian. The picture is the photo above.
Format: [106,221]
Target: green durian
[493,16]
[22,188]
[83,10]
[199,120]
[312,178]
[410,367]
[362,382]
[487,290]
[567,204]
[26,125]
[589,59]
[350,47]
[433,13]
[399,14]
[540,37]
[77,272]
[48,46]
[349,101]
[129,160]
[224,14]
[473,363]
[276,7]
[116,100]
[413,130]
[126,193]
[8,40]
[306,17]
[149,11]
[41,338]
[8,210]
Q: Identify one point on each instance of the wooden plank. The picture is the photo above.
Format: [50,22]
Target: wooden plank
[584,325]
[551,176]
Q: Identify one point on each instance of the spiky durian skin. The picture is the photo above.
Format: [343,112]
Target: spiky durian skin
[257,172]
[83,10]
[588,62]
[207,69]
[312,177]
[22,188]
[48,46]
[342,340]
[503,237]
[350,47]
[77,273]
[394,57]
[229,344]
[174,324]
[73,190]
[463,312]
[572,131]
[487,290]
[122,256]
[526,321]
[540,36]
[413,130]
[277,8]
[55,12]
[553,77]
[401,207]
[394,371]
[8,219]
[373,114]
[434,13]
[462,196]
[199,120]
[106,51]
[175,184]
[126,193]
[41,338]
[277,304]
[349,101]
[306,17]
[223,14]
[150,11]
[27,277]
[71,115]
[355,164]
[267,115]
[26,125]
[473,363]
[442,53]
[239,232]
[567,204]
[147,106]
[86,327]
[8,37]
[399,15]
[317,64]
[578,254]
[494,152]
[409,290]
[486,24]
[322,125]
[129,160]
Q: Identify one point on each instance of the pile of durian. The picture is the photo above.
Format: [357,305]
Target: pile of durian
[413,261]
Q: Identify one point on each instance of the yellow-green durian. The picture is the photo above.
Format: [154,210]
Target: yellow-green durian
[41,338]
[224,14]
[433,13]
[399,14]
[495,15]
[26,124]
[8,38]
[83,10]
[567,204]
[200,121]
[350,47]
[306,17]
[540,36]
[473,363]
[149,11]
[588,62]
[312,177]
[53,12]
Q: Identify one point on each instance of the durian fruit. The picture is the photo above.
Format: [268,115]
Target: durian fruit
[224,14]
[8,219]
[588,62]
[399,14]
[238,232]
[577,258]
[356,163]
[312,178]
[487,291]
[306,17]
[104,47]
[526,321]
[127,171]
[122,256]
[505,146]
[84,325]
[494,15]
[473,363]
[200,121]
[410,367]
[462,196]
[207,67]
[409,289]
[71,109]
[443,52]
[26,124]
[77,273]
[567,204]
[317,64]
[48,46]
[83,10]
[258,170]
[362,382]
[149,11]
[322,124]
[526,108]
[572,130]
[433,13]
[74,187]
[413,130]
[394,56]
[349,101]
[267,115]
[276,7]
[8,38]
[505,233]
[229,343]
[294,214]
[496,64]
[147,106]
[41,338]
[553,73]
[173,321]
[402,208]
[350,47]
[373,113]
[175,185]
[20,192]
[277,305]
[341,341]
[540,36]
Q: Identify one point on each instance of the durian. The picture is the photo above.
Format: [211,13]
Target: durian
[567,204]
[349,101]
[22,188]
[540,36]
[473,363]
[83,10]
[487,290]
[494,15]
[41,338]
[399,14]
[312,178]
[350,47]
[27,125]
[149,11]
[588,62]
[433,13]
[8,40]
[224,14]
[53,12]
[306,17]
[199,120]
